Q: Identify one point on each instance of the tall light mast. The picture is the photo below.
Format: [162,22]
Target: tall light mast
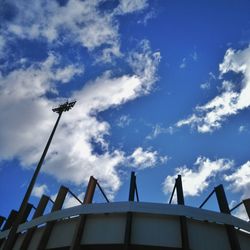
[12,234]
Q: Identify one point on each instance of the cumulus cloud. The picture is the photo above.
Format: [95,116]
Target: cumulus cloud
[240,180]
[39,190]
[28,90]
[142,159]
[203,171]
[211,115]
[76,21]
[27,118]
[25,108]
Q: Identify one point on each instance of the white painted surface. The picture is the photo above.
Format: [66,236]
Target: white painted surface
[104,229]
[62,233]
[155,230]
[207,236]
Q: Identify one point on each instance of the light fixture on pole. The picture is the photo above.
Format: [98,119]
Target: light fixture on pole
[12,234]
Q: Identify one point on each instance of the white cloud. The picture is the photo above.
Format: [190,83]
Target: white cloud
[240,180]
[25,109]
[144,63]
[142,159]
[158,130]
[202,173]
[183,63]
[242,129]
[40,190]
[67,73]
[27,118]
[150,15]
[129,6]
[210,116]
[81,19]
[205,85]
[194,56]
[76,22]
[123,121]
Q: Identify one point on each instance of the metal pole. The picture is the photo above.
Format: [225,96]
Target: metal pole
[183,219]
[179,191]
[224,208]
[75,196]
[104,195]
[136,192]
[132,187]
[205,201]
[172,195]
[88,198]
[10,239]
[236,206]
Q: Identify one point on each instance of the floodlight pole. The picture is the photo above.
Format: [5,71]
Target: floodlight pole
[10,241]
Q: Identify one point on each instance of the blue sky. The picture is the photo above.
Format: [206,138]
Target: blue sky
[162,88]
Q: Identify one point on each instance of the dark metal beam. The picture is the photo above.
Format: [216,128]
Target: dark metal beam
[247,206]
[2,219]
[179,191]
[224,208]
[24,219]
[205,201]
[75,196]
[222,199]
[76,243]
[236,206]
[129,216]
[104,195]
[172,195]
[79,230]
[184,233]
[8,223]
[132,187]
[27,212]
[10,220]
[90,190]
[49,226]
[39,212]
[136,192]
[183,219]
[128,229]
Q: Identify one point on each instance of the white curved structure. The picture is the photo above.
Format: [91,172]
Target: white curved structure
[152,226]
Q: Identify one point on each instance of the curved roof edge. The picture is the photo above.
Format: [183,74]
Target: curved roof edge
[139,207]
